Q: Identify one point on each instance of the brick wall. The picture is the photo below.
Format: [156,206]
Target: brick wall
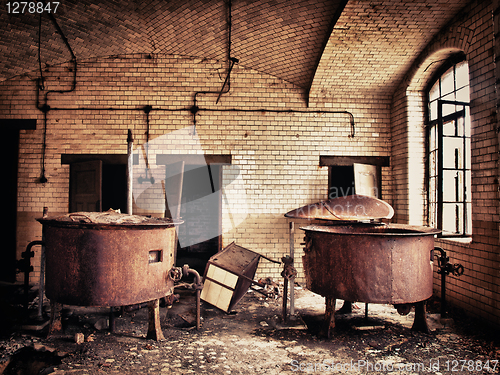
[275,156]
[477,291]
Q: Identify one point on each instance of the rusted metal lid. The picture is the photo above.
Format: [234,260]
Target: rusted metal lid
[387,230]
[349,208]
[112,219]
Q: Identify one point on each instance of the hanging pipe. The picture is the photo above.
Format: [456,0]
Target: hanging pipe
[45,108]
[147,109]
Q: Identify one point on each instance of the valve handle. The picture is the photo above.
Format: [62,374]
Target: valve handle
[458,269]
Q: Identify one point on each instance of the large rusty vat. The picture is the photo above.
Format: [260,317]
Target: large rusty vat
[356,257]
[108,259]
[384,263]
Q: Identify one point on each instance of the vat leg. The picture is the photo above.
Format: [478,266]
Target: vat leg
[55,322]
[112,320]
[346,308]
[329,320]
[420,321]
[154,327]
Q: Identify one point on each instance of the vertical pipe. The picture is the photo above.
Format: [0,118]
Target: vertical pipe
[130,165]
[198,308]
[443,293]
[292,281]
[285,298]
[41,286]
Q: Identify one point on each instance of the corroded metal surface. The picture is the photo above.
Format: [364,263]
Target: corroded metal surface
[106,220]
[369,263]
[348,208]
[108,264]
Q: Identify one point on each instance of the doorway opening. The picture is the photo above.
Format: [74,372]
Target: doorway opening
[193,187]
[97,182]
[348,175]
[10,156]
[201,210]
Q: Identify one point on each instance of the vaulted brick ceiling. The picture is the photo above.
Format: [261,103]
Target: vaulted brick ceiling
[366,48]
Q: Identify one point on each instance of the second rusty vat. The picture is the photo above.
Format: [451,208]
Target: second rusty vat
[385,263]
[357,258]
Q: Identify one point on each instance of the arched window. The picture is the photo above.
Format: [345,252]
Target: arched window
[448,151]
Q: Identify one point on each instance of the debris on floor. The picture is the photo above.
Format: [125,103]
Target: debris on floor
[252,340]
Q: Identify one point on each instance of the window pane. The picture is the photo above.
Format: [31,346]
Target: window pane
[468,218]
[451,214]
[433,164]
[459,218]
[447,82]
[433,110]
[453,152]
[449,128]
[448,109]
[460,126]
[467,125]
[468,185]
[463,94]
[433,139]
[449,186]
[462,75]
[433,215]
[434,92]
[467,156]
[459,186]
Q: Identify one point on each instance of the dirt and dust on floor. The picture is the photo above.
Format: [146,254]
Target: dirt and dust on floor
[252,339]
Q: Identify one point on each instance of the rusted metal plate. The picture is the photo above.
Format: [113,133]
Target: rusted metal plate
[349,208]
[107,220]
[369,263]
[96,264]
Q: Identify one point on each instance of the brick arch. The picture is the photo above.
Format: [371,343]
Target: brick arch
[408,114]
[448,42]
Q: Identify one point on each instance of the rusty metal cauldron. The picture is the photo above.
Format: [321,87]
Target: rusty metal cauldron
[356,257]
[111,259]
[370,263]
[108,259]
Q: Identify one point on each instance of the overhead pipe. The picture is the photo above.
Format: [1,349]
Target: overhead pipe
[194,109]
[232,60]
[278,111]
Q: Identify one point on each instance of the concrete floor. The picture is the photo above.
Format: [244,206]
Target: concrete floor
[252,340]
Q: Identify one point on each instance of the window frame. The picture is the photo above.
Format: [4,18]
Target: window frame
[435,219]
